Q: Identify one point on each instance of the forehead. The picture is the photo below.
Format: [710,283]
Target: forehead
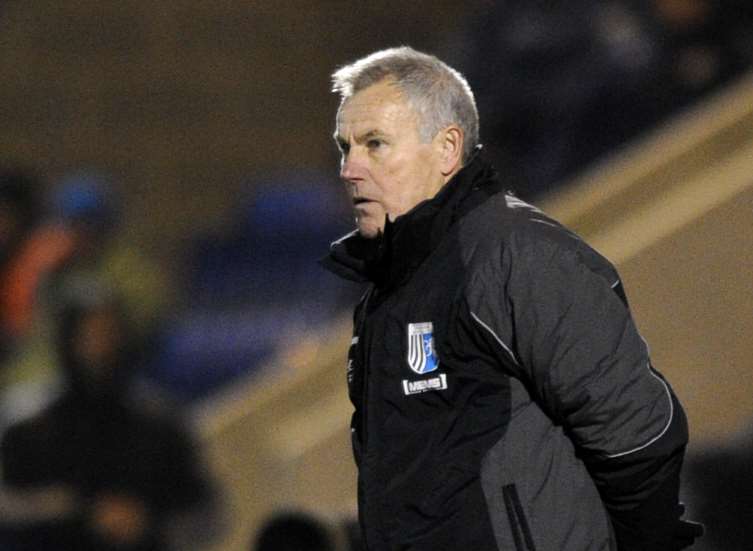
[381,106]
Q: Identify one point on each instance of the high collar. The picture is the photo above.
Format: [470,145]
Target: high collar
[410,238]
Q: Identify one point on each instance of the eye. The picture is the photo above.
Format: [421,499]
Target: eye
[344,147]
[374,143]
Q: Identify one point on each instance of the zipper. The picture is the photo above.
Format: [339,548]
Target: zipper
[363,357]
[364,346]
[521,531]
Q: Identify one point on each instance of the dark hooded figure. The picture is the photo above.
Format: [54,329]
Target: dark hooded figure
[123,472]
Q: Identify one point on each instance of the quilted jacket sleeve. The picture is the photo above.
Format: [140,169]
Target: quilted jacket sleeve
[571,338]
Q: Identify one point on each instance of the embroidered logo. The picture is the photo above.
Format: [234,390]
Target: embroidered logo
[425,385]
[422,356]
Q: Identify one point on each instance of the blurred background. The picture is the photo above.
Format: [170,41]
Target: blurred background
[168,182]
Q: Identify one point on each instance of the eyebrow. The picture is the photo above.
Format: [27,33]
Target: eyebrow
[359,139]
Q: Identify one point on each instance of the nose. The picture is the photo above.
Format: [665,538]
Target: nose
[346,170]
[350,168]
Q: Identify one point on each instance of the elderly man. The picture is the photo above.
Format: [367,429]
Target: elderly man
[503,396]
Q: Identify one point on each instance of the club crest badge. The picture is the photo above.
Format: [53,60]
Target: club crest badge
[422,356]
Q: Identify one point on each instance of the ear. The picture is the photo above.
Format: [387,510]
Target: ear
[450,144]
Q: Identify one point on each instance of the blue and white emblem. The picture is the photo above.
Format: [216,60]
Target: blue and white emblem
[422,356]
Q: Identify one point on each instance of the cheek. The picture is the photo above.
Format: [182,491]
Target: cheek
[398,175]
[427,176]
[393,187]
[402,180]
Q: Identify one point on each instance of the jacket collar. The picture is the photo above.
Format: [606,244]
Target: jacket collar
[405,243]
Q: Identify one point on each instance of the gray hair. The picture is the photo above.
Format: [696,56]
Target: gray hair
[439,94]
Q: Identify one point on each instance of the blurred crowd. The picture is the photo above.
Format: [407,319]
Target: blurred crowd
[100,346]
[560,84]
[98,362]
[87,461]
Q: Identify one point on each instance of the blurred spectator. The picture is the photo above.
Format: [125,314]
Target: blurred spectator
[560,84]
[29,251]
[87,206]
[80,240]
[97,470]
[294,531]
[704,43]
[548,77]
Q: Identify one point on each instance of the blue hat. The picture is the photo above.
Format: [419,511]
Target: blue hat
[85,196]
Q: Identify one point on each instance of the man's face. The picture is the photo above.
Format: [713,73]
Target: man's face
[385,166]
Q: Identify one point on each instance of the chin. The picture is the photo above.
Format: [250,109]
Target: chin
[369,231]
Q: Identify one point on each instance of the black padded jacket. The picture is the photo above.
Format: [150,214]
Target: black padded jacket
[504,399]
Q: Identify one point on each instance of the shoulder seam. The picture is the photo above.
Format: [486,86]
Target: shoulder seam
[496,337]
